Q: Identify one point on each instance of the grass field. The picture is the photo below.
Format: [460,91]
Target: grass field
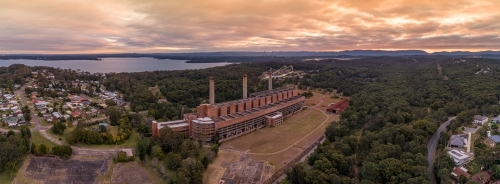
[37,138]
[130,172]
[268,140]
[43,122]
[5,178]
[282,158]
[279,145]
[66,132]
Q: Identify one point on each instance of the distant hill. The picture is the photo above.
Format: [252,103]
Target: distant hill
[203,57]
[462,53]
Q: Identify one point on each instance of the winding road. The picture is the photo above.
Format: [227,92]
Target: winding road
[431,149]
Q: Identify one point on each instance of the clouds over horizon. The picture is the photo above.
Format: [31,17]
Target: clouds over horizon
[90,26]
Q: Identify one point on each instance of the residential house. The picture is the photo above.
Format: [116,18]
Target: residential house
[496,120]
[459,171]
[458,141]
[48,117]
[11,121]
[492,140]
[51,76]
[480,120]
[57,115]
[459,157]
[76,114]
[42,103]
[481,177]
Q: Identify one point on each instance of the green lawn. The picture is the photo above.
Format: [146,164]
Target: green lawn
[5,178]
[43,122]
[62,137]
[37,138]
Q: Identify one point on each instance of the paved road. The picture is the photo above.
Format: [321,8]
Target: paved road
[431,149]
[34,118]
[3,130]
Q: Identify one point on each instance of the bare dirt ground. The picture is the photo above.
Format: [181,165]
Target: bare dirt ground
[234,167]
[130,173]
[45,170]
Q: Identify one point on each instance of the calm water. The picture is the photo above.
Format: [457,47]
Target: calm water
[107,65]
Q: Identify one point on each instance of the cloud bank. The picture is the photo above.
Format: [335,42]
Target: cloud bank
[91,26]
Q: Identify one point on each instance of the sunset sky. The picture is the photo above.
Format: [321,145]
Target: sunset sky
[112,26]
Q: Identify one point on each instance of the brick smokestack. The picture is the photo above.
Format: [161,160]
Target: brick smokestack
[245,86]
[270,74]
[212,91]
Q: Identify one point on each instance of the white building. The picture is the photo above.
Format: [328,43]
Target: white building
[459,157]
[480,120]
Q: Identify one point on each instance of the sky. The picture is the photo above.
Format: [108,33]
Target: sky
[117,26]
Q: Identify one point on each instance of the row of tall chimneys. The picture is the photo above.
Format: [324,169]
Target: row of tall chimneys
[245,81]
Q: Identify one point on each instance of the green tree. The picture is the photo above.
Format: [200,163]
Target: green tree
[425,125]
[316,177]
[33,148]
[11,168]
[192,169]
[10,133]
[113,114]
[25,132]
[174,161]
[58,128]
[297,174]
[42,149]
[157,152]
[63,151]
[371,172]
[142,146]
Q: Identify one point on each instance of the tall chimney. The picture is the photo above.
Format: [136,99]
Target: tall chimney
[212,91]
[244,86]
[270,74]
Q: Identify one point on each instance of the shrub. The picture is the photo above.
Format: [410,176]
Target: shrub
[63,151]
[122,157]
[58,128]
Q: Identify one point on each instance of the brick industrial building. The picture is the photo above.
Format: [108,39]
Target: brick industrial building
[234,118]
[338,107]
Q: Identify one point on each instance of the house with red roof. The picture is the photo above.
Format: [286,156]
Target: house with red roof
[338,107]
[76,114]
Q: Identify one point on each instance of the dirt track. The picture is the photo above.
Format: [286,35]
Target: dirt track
[130,173]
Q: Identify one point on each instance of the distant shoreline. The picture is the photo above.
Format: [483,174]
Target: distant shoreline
[114,64]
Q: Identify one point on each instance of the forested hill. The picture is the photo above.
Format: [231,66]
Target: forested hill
[397,105]
[239,57]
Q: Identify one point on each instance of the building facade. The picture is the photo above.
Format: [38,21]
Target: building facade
[231,119]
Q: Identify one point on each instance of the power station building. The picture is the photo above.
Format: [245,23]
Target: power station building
[232,119]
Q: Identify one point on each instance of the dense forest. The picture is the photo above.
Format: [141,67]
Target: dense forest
[396,105]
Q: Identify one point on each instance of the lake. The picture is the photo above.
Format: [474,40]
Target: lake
[107,65]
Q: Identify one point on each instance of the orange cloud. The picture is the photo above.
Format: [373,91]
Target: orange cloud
[76,26]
